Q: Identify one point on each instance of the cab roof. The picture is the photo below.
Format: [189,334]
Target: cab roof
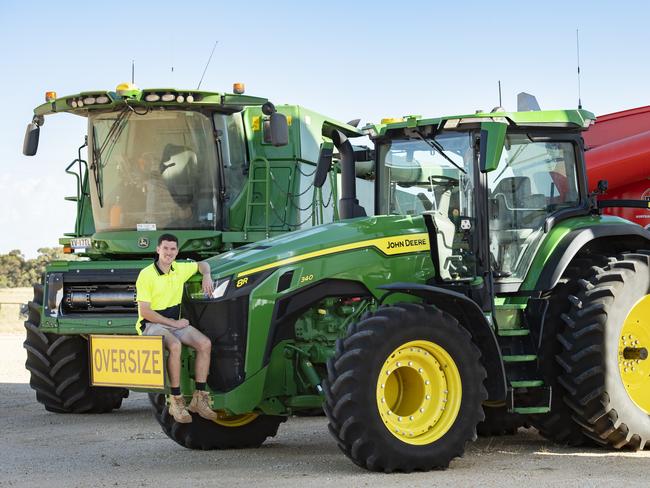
[577,119]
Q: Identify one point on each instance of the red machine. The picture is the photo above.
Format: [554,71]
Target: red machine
[619,151]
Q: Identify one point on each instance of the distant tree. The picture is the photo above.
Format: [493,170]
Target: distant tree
[16,271]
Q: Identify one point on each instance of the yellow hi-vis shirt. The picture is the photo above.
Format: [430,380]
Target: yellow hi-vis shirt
[164,291]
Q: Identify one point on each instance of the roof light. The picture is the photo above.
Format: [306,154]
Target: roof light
[180,98]
[238,88]
[168,97]
[73,103]
[152,97]
[102,99]
[190,99]
[89,100]
[126,89]
[80,103]
[50,96]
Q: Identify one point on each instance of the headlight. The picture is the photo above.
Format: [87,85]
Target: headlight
[220,287]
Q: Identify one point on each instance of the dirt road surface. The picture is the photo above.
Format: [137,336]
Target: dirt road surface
[127,448]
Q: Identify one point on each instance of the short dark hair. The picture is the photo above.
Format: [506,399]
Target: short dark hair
[168,238]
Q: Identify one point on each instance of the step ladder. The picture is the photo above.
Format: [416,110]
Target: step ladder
[250,203]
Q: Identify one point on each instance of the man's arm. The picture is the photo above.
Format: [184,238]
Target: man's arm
[153,316]
[204,269]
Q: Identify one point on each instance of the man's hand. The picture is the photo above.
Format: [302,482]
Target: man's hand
[182,323]
[208,288]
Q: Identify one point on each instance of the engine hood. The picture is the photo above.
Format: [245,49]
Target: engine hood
[390,234]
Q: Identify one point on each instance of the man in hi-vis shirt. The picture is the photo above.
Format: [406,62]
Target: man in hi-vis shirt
[159,293]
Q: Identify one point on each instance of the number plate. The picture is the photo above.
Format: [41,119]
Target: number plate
[80,243]
[128,361]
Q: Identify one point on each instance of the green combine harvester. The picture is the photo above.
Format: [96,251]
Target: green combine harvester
[486,283]
[219,170]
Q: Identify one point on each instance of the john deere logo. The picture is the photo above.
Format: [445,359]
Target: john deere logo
[143,242]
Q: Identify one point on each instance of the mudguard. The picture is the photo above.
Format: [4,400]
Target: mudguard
[576,240]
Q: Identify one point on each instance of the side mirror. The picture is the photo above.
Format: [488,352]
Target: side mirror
[279,129]
[493,137]
[324,163]
[30,144]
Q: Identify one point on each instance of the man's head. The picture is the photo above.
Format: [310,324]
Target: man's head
[167,249]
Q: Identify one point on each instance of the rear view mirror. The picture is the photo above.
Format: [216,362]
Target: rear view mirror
[30,144]
[324,163]
[493,137]
[279,129]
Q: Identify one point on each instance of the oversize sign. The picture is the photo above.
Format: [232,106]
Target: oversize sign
[130,361]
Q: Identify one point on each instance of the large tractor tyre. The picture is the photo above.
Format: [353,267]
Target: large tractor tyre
[159,402]
[58,365]
[605,358]
[558,425]
[404,389]
[235,432]
[498,421]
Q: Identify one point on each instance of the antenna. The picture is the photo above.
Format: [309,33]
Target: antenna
[578,51]
[207,64]
[500,104]
[133,71]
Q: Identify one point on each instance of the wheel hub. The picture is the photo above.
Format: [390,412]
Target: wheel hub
[419,392]
[633,362]
[234,420]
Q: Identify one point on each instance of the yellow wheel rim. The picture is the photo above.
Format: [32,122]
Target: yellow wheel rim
[419,392]
[633,350]
[234,420]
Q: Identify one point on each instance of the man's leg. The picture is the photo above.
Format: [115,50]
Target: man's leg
[200,399]
[173,345]
[197,340]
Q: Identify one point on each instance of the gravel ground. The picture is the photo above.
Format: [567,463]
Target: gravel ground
[127,448]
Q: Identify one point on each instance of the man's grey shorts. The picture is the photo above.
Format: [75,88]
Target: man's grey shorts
[153,329]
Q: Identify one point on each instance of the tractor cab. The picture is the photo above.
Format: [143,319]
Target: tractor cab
[488,186]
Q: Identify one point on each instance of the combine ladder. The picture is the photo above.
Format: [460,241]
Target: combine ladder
[250,203]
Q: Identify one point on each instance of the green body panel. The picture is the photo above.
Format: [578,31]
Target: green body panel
[296,245]
[338,251]
[553,239]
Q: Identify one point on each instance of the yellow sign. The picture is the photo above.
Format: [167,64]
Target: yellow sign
[131,361]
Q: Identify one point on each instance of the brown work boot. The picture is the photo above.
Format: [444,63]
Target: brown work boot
[177,409]
[201,404]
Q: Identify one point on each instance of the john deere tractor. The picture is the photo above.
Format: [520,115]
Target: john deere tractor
[486,281]
[218,170]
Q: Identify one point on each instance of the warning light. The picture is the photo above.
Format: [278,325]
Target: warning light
[238,88]
[50,96]
[126,89]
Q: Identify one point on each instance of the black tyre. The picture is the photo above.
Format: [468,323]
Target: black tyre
[404,389]
[58,366]
[558,425]
[237,432]
[498,421]
[605,358]
[159,402]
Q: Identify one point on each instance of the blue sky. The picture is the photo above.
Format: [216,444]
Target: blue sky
[350,60]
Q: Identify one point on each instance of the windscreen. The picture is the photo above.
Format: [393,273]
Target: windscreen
[159,167]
